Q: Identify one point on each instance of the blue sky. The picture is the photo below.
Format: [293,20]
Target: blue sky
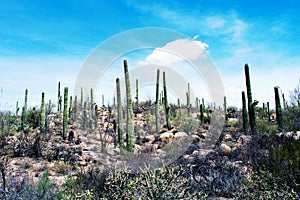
[43,42]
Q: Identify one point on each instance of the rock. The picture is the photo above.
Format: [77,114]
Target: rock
[149,138]
[224,149]
[196,138]
[166,137]
[243,140]
[180,134]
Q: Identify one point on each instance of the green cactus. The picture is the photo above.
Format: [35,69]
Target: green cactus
[268,112]
[114,102]
[81,98]
[26,101]
[178,103]
[279,118]
[130,124]
[245,114]
[165,100]
[75,108]
[84,121]
[157,102]
[17,108]
[71,108]
[188,101]
[225,109]
[120,116]
[23,117]
[251,105]
[201,114]
[65,113]
[49,109]
[137,94]
[92,101]
[43,114]
[197,104]
[203,105]
[58,97]
[103,104]
[96,116]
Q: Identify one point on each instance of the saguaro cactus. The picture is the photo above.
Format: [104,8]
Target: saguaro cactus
[188,101]
[120,116]
[75,108]
[58,97]
[43,114]
[71,108]
[278,109]
[268,111]
[25,100]
[17,108]
[92,101]
[84,116]
[81,98]
[137,94]
[157,102]
[130,124]
[167,108]
[201,114]
[251,105]
[245,114]
[65,114]
[225,108]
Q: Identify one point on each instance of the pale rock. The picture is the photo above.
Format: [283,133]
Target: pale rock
[180,134]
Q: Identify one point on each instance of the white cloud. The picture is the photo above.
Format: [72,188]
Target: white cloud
[177,51]
[215,22]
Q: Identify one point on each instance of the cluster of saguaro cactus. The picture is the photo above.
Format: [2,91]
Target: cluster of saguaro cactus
[43,114]
[65,113]
[130,123]
[166,105]
[278,109]
[157,102]
[251,104]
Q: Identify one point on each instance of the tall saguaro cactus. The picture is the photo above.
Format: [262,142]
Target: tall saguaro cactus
[75,108]
[92,101]
[120,116]
[251,105]
[188,101]
[81,98]
[65,112]
[58,97]
[225,108]
[167,108]
[278,109]
[137,94]
[17,108]
[43,114]
[26,100]
[245,113]
[157,102]
[71,108]
[130,124]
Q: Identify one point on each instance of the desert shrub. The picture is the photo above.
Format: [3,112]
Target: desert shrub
[166,183]
[189,125]
[291,118]
[284,160]
[264,126]
[265,185]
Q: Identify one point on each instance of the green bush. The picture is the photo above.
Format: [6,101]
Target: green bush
[264,185]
